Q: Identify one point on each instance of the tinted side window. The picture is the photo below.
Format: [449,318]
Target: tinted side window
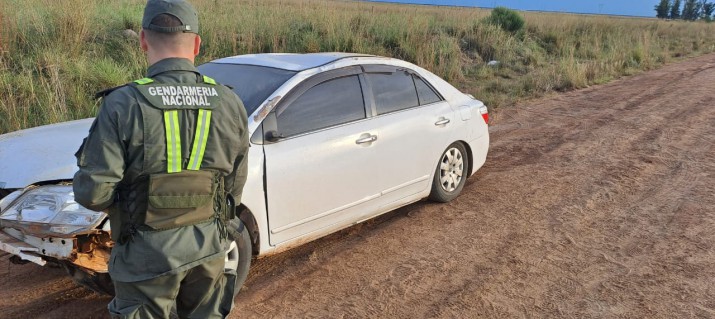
[330,103]
[393,92]
[425,93]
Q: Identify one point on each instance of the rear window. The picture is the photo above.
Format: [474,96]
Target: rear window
[425,93]
[252,83]
[393,92]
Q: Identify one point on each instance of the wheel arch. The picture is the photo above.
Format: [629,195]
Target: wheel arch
[470,157]
[246,216]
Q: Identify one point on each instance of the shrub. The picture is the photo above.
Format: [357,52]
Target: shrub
[507,19]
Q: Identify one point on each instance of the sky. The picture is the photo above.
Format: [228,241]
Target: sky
[616,7]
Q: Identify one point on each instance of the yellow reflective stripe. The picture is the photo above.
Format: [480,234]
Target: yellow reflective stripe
[169,141]
[193,160]
[177,140]
[173,141]
[205,135]
[203,124]
[143,81]
[209,80]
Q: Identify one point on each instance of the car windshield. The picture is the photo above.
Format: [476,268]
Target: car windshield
[252,83]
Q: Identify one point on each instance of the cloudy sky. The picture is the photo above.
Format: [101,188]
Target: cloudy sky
[619,7]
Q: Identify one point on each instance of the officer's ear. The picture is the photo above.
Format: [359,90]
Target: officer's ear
[197,45]
[142,41]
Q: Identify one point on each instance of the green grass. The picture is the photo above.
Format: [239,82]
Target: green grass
[54,54]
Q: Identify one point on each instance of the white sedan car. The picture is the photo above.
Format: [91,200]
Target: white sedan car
[336,139]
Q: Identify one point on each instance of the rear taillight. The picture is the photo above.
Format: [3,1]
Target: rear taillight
[485,113]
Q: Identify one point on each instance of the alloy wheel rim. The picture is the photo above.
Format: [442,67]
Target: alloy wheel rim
[451,169]
[231,262]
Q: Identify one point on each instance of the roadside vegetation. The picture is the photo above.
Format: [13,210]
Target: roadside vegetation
[55,54]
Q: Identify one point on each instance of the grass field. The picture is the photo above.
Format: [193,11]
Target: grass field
[54,54]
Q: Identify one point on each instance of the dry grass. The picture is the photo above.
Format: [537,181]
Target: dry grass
[54,54]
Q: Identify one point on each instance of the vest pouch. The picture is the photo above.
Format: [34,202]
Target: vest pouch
[180,199]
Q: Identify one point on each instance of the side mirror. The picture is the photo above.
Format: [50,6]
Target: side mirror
[273,136]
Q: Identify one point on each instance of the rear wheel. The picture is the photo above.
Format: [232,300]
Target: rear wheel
[451,174]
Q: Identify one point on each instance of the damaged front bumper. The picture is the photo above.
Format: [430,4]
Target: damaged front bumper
[20,249]
[44,224]
[90,252]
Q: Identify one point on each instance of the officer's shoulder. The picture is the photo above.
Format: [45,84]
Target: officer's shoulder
[106,92]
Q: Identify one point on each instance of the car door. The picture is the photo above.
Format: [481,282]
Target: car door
[414,124]
[318,170]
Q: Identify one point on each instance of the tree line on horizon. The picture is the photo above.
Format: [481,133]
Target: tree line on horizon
[691,10]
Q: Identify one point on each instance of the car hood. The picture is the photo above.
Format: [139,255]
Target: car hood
[42,153]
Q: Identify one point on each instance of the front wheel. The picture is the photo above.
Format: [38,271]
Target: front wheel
[99,282]
[239,254]
[451,174]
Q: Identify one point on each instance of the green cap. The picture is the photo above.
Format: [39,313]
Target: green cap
[180,9]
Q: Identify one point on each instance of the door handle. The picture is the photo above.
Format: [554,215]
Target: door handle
[367,139]
[442,122]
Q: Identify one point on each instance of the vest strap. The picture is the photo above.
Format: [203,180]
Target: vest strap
[203,124]
[209,80]
[143,81]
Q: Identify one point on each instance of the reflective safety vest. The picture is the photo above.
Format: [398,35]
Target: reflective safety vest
[185,194]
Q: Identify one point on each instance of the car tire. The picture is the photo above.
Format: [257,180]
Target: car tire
[239,255]
[98,282]
[451,173]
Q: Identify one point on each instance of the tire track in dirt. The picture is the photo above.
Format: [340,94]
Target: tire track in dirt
[618,177]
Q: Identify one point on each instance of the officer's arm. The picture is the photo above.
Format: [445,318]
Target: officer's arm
[101,158]
[234,182]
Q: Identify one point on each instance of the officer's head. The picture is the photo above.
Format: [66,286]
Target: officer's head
[170,29]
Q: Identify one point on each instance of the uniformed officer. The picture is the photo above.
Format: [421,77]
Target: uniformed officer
[161,157]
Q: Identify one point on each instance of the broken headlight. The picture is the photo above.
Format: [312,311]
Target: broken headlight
[5,201]
[50,210]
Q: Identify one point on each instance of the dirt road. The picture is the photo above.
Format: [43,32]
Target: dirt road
[594,203]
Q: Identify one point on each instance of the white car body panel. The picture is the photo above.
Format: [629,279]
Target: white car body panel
[411,134]
[46,154]
[253,196]
[304,172]
[479,157]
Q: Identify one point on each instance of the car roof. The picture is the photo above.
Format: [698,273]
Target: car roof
[289,61]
